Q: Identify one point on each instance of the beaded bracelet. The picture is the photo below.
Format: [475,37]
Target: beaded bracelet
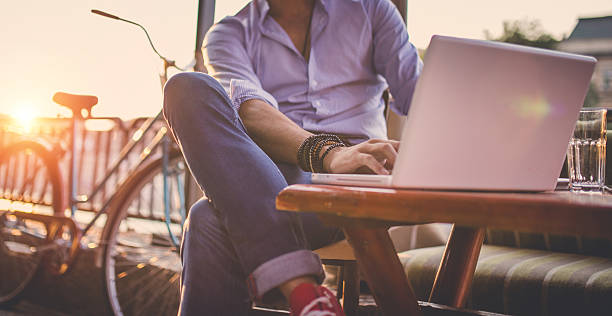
[309,151]
[328,150]
[314,148]
[304,153]
[316,163]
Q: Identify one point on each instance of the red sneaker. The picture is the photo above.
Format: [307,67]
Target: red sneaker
[311,300]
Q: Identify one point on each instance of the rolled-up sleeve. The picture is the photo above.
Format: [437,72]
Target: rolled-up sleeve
[395,58]
[226,60]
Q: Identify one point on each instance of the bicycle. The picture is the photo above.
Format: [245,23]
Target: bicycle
[137,252]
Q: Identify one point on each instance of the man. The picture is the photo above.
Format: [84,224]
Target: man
[280,71]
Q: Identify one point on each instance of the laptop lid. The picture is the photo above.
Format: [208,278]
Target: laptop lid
[491,116]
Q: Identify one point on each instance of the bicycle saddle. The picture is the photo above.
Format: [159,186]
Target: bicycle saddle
[75,102]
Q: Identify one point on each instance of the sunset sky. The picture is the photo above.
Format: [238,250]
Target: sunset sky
[49,46]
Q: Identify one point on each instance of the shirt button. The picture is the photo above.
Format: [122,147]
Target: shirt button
[314,83]
[316,103]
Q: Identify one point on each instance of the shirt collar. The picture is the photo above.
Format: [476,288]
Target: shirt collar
[263,8]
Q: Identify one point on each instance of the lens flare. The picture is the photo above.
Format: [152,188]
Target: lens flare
[23,116]
[536,107]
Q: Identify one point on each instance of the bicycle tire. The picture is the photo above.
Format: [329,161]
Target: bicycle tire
[141,275]
[21,176]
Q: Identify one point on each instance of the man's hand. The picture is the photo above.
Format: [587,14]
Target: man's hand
[373,156]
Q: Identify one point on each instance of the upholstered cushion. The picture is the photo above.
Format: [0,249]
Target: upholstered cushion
[523,281]
[599,247]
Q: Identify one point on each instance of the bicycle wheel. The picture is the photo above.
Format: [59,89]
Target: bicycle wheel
[141,265]
[30,179]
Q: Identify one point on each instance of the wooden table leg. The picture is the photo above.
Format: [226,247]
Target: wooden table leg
[454,277]
[383,271]
[350,300]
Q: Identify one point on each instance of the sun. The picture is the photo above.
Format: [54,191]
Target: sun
[23,115]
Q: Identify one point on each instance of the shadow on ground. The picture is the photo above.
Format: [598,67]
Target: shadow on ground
[78,292]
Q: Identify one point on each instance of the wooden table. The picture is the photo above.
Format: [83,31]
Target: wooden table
[366,213]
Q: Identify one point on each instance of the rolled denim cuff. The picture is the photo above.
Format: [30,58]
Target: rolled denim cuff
[279,270]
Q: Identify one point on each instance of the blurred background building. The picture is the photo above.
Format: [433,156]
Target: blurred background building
[593,36]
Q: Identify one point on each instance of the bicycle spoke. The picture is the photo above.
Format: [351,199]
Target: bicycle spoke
[29,181]
[24,165]
[166,286]
[19,256]
[144,263]
[151,282]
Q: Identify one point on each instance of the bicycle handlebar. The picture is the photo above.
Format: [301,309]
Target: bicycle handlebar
[168,62]
[108,15]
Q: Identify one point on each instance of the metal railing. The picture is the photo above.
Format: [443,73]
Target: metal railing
[101,143]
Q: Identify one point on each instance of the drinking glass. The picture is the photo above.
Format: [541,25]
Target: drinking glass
[586,154]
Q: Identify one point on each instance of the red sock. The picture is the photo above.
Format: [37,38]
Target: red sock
[309,299]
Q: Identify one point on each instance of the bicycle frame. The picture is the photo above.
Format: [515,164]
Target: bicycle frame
[75,199]
[61,235]
[58,225]
[160,137]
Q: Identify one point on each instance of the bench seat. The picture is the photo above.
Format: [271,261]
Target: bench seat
[519,281]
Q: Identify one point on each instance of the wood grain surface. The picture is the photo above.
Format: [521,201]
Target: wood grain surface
[553,212]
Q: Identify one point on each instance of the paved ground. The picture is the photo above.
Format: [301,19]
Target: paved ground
[81,291]
[78,292]
[29,309]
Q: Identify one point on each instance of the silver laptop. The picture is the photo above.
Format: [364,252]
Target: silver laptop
[486,116]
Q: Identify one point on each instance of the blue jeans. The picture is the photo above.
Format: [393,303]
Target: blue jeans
[237,247]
